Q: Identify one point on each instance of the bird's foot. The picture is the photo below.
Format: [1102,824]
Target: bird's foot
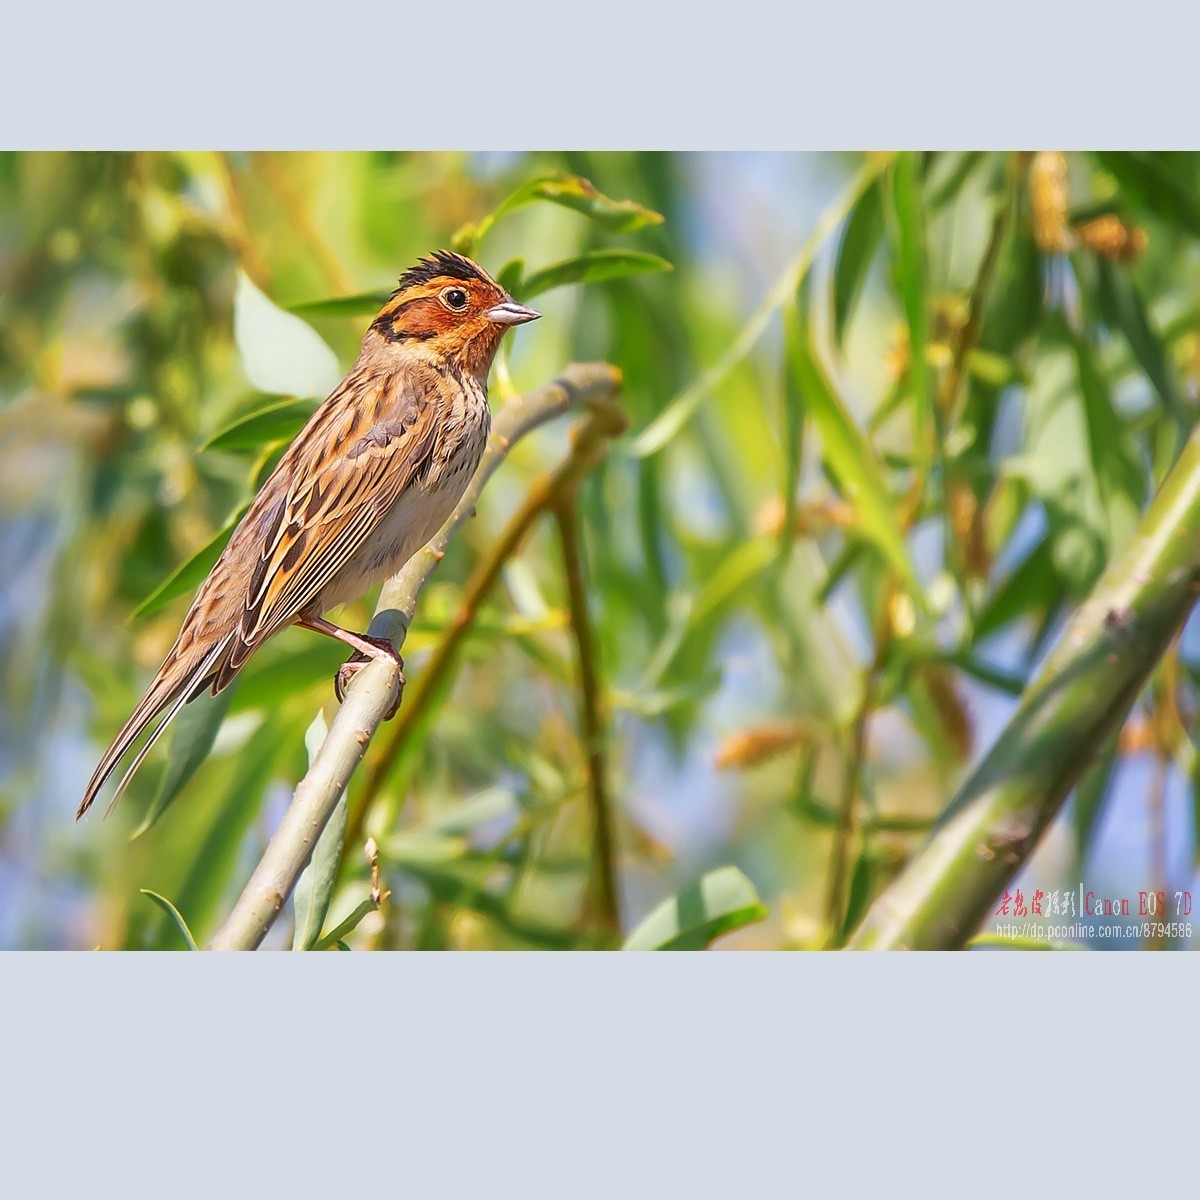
[359,659]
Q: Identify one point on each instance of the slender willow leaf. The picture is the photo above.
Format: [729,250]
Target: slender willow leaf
[1010,683]
[278,422]
[280,352]
[619,216]
[598,266]
[1034,587]
[360,304]
[1122,306]
[192,737]
[422,847]
[852,461]
[174,914]
[1091,797]
[193,572]
[737,569]
[997,941]
[911,256]
[946,190]
[216,855]
[493,804]
[860,239]
[680,410]
[314,888]
[569,191]
[862,887]
[795,330]
[1057,462]
[274,673]
[464,886]
[1120,478]
[722,900]
[333,939]
[510,276]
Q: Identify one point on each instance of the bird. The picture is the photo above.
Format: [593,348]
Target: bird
[372,476]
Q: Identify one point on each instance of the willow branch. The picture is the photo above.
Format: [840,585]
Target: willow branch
[591,721]
[374,690]
[1079,698]
[839,870]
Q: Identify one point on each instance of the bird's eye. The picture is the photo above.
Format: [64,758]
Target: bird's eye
[454,299]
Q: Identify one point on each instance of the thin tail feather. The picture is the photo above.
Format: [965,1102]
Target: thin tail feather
[166,690]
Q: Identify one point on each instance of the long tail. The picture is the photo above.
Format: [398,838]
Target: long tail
[171,689]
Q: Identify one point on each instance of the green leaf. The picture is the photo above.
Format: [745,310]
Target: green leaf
[192,737]
[277,422]
[275,673]
[333,939]
[1150,182]
[682,407]
[1076,458]
[491,804]
[852,461]
[510,276]
[862,886]
[464,885]
[575,192]
[422,847]
[569,191]
[174,914]
[1034,587]
[947,189]
[856,250]
[193,572]
[795,330]
[314,888]
[1120,478]
[597,266]
[279,351]
[1057,465]
[909,219]
[360,304]
[1122,306]
[216,855]
[722,900]
[996,941]
[1091,796]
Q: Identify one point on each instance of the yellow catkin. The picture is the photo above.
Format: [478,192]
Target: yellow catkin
[1049,197]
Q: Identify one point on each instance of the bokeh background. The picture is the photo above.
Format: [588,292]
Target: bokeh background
[815,604]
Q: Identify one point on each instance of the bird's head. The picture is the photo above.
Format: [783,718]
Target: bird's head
[448,307]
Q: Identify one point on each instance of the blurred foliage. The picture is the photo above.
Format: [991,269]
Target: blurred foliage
[845,522]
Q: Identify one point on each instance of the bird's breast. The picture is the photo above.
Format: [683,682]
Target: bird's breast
[423,507]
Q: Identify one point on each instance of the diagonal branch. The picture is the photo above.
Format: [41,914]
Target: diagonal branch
[604,879]
[1079,698]
[587,387]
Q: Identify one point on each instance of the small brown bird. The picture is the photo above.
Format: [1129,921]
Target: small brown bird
[368,481]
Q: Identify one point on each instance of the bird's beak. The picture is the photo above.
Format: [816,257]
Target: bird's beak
[509,312]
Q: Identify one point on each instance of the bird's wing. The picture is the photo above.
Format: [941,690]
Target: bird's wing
[331,489]
[342,475]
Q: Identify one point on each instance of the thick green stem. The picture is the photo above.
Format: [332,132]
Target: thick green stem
[1081,695]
